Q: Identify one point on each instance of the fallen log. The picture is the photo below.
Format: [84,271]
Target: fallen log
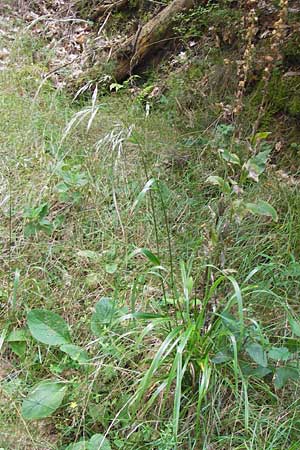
[148,39]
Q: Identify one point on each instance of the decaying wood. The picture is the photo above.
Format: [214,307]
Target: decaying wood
[148,38]
[105,7]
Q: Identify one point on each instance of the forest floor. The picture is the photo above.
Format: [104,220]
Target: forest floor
[110,197]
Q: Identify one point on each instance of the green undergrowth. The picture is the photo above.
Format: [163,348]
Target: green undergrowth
[149,275]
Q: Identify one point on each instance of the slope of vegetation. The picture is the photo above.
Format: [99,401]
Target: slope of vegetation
[150,238]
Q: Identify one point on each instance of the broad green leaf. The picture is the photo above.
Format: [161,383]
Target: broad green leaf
[279,353]
[230,157]
[81,445]
[218,181]
[75,352]
[18,347]
[256,165]
[283,375]
[102,316]
[221,357]
[262,208]
[295,326]
[48,327]
[17,335]
[258,372]
[44,399]
[98,442]
[258,354]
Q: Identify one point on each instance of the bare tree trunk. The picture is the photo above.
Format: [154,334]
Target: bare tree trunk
[148,39]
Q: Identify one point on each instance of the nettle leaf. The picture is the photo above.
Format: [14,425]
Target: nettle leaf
[98,442]
[262,208]
[75,352]
[230,157]
[258,354]
[295,326]
[283,375]
[279,353]
[44,399]
[219,181]
[48,327]
[104,311]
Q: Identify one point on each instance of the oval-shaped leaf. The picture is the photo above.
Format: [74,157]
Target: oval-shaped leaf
[218,181]
[103,315]
[262,208]
[279,353]
[230,157]
[221,357]
[98,442]
[18,347]
[48,327]
[258,354]
[75,352]
[17,335]
[43,400]
[284,374]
